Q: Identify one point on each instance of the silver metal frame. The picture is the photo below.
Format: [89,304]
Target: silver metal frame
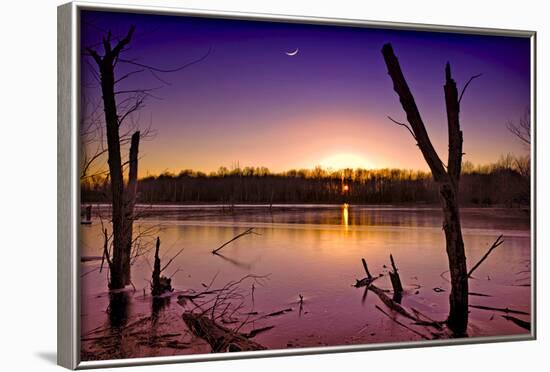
[68,195]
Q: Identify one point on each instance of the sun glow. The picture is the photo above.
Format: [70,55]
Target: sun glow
[345,160]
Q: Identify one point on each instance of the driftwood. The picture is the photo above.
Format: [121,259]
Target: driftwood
[219,338]
[497,243]
[522,323]
[395,306]
[247,232]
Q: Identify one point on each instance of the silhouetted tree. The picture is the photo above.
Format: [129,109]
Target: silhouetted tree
[119,274]
[447,178]
[521,129]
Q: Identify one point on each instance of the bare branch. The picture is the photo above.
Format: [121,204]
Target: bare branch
[156,69]
[408,104]
[403,125]
[172,259]
[128,75]
[466,86]
[497,242]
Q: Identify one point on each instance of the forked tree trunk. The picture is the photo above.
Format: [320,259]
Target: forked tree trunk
[106,69]
[447,179]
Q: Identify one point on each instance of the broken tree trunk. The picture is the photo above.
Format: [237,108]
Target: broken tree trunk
[106,64]
[365,281]
[391,303]
[159,284]
[131,191]
[218,337]
[395,282]
[447,180]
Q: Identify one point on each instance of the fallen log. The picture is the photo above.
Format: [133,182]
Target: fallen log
[522,323]
[280,312]
[219,338]
[428,321]
[257,331]
[391,303]
[90,258]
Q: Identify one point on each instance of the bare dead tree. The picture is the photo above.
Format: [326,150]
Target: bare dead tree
[521,129]
[119,106]
[447,179]
[106,64]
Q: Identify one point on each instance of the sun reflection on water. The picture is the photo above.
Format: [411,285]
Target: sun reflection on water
[345,216]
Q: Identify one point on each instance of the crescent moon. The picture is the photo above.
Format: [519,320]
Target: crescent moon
[292,53]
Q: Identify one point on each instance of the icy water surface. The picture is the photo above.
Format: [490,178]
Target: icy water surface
[313,251]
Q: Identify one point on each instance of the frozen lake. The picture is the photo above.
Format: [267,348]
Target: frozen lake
[309,250]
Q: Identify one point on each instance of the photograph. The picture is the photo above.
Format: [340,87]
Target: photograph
[250,184]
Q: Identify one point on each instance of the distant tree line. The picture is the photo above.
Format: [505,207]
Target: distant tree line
[506,182]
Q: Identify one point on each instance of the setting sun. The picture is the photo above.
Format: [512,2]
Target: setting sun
[345,160]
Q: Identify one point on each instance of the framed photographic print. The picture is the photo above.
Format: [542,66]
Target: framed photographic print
[239,185]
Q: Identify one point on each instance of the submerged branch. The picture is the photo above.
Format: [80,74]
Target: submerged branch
[501,309]
[519,322]
[402,324]
[247,232]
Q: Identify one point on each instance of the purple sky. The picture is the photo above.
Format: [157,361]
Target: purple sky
[248,102]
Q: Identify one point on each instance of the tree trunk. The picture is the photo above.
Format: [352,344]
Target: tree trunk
[131,191]
[447,179]
[458,299]
[155,283]
[115,173]
[106,69]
